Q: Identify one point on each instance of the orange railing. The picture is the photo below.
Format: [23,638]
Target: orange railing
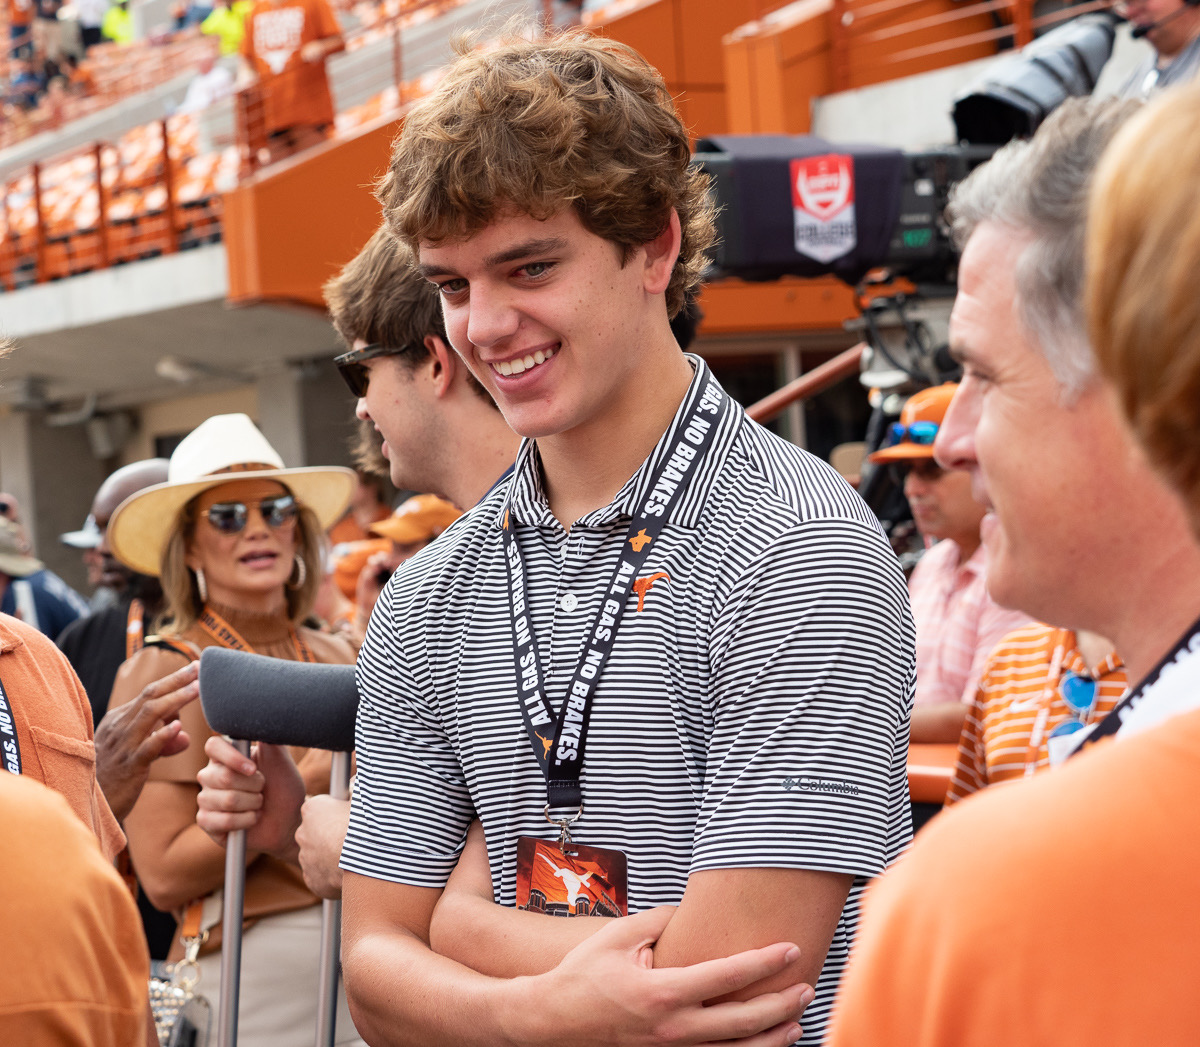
[150,193]
[887,38]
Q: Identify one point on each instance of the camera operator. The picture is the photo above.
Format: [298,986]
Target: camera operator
[1173,29]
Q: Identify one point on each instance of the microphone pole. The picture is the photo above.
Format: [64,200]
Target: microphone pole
[231,944]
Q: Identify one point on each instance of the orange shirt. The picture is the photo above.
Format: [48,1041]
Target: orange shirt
[295,92]
[1059,910]
[1019,703]
[54,726]
[74,966]
[20,12]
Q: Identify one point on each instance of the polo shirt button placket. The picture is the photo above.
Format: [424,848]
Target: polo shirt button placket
[568,602]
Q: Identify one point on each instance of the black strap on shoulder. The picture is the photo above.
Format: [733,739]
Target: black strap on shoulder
[172,643]
[10,748]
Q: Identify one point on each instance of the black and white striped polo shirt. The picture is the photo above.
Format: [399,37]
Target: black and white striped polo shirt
[753,713]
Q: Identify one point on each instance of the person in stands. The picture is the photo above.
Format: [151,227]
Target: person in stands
[958,623]
[236,539]
[284,49]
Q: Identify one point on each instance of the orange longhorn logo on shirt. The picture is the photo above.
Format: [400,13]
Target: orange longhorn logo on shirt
[640,540]
[643,585]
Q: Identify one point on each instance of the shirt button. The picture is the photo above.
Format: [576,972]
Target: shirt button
[568,602]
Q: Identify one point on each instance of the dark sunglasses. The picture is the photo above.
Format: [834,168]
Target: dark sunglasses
[923,433]
[350,365]
[925,468]
[231,517]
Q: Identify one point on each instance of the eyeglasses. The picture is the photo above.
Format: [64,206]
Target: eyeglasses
[923,468]
[1079,695]
[923,433]
[350,365]
[231,517]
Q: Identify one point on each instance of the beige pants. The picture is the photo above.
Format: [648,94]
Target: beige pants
[278,1005]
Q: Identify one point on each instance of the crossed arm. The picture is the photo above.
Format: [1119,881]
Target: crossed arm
[604,991]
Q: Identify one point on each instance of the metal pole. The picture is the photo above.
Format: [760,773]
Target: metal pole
[819,378]
[231,935]
[331,924]
[40,242]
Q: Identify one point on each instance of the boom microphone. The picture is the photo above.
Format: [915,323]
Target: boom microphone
[1140,31]
[272,700]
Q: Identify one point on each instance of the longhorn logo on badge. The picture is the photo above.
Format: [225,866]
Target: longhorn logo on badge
[643,585]
[640,540]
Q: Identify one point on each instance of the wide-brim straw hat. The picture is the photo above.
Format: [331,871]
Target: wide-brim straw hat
[224,448]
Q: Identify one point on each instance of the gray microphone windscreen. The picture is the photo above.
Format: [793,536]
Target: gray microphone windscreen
[251,696]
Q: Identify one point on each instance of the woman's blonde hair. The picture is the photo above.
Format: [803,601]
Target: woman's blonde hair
[181,597]
[1143,282]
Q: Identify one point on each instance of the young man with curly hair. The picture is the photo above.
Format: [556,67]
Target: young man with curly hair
[667,664]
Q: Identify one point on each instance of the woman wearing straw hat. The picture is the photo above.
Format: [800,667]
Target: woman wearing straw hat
[236,539]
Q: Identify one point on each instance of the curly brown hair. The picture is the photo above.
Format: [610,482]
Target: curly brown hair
[535,125]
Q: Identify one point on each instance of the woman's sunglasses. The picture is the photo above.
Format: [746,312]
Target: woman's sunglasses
[231,517]
[350,365]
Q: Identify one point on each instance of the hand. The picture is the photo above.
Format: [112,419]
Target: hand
[132,736]
[323,822]
[261,793]
[371,580]
[313,51]
[607,990]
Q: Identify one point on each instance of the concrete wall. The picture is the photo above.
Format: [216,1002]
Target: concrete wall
[53,474]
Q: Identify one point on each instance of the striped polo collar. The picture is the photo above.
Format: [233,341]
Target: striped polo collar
[528,495]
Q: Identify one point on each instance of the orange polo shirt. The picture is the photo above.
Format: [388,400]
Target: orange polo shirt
[295,92]
[1019,702]
[74,966]
[54,726]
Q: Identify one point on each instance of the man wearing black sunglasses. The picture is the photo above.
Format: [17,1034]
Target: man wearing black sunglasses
[958,623]
[441,432]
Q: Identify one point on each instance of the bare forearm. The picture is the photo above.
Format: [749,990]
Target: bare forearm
[502,942]
[401,993]
[725,911]
[942,722]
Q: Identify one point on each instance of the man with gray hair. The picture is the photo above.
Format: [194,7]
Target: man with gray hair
[991,930]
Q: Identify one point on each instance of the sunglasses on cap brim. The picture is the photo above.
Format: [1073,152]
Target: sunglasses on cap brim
[350,365]
[921,433]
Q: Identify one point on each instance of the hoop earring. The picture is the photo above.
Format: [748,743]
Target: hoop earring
[301,572]
[201,585]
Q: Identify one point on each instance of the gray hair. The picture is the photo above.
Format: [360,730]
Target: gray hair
[1040,187]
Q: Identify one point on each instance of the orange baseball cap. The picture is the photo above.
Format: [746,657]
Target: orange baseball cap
[420,519]
[913,435]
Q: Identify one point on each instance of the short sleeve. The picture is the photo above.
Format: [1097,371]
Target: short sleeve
[411,806]
[327,23]
[812,657]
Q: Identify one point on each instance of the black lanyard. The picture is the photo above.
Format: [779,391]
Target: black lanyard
[1188,644]
[558,741]
[10,747]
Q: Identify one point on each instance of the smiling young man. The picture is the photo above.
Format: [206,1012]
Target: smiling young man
[668,662]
